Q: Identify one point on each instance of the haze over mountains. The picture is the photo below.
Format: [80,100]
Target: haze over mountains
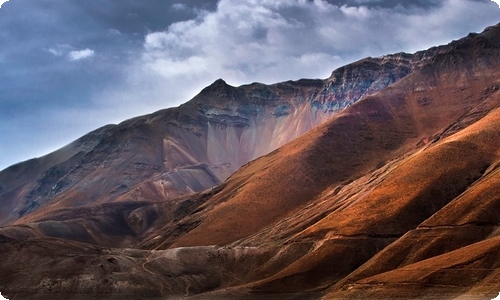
[381,181]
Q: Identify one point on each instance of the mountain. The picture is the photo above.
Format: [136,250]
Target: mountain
[188,149]
[379,182]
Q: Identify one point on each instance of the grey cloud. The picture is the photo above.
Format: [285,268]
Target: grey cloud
[268,39]
[132,57]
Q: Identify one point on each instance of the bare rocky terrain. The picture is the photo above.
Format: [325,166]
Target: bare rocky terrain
[379,182]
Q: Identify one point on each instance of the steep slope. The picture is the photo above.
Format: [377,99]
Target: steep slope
[394,197]
[470,219]
[182,150]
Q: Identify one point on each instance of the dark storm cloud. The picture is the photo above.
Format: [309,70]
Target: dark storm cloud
[39,37]
[54,55]
[67,67]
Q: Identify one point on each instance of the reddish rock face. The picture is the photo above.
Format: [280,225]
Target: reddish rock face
[381,181]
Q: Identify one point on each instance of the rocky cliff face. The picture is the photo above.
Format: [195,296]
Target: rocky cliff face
[394,196]
[188,149]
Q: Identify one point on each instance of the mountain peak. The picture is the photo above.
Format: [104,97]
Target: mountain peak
[219,82]
[218,88]
[217,85]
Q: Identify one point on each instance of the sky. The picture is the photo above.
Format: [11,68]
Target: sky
[68,67]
